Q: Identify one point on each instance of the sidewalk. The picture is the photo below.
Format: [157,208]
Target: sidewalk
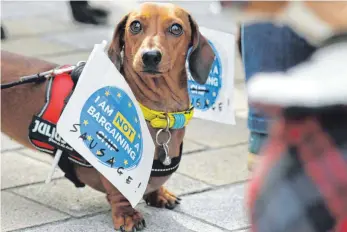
[211,178]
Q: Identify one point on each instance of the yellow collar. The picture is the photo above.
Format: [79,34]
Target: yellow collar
[158,119]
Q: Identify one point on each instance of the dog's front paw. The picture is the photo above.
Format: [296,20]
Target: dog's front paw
[129,223]
[125,218]
[162,198]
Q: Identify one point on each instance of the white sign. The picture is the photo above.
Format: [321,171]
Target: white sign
[103,122]
[214,99]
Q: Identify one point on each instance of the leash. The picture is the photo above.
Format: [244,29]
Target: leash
[38,78]
[25,80]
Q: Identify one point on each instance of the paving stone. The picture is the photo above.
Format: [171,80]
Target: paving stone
[223,207]
[240,97]
[157,220]
[99,223]
[18,213]
[60,9]
[179,184]
[34,47]
[239,70]
[37,155]
[191,6]
[36,26]
[242,114]
[190,146]
[17,170]
[216,134]
[28,9]
[83,39]
[67,59]
[217,167]
[8,144]
[63,195]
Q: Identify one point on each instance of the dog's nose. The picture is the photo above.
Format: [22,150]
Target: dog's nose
[151,58]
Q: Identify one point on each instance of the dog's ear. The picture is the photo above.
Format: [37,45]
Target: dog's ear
[201,56]
[117,44]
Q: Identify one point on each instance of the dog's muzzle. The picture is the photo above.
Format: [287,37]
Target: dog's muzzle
[151,60]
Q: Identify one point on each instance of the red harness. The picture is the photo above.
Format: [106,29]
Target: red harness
[42,131]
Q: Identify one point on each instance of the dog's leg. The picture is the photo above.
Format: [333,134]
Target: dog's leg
[160,197]
[125,217]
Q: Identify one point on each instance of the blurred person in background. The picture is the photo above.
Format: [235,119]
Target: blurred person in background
[266,47]
[84,13]
[3,34]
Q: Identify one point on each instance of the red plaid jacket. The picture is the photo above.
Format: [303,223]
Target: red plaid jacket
[301,183]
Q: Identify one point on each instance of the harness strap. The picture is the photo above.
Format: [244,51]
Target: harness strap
[158,169]
[58,88]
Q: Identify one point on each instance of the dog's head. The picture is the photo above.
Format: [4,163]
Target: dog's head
[150,46]
[155,39]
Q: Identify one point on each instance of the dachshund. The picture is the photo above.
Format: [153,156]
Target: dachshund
[150,48]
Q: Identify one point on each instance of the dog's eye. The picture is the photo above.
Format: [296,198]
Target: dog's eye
[135,27]
[176,29]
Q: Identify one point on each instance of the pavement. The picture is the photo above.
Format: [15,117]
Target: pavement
[211,179]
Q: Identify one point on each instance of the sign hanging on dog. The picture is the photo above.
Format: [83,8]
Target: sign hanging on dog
[213,100]
[103,122]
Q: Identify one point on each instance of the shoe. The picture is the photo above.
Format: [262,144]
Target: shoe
[256,141]
[82,12]
[3,34]
[99,12]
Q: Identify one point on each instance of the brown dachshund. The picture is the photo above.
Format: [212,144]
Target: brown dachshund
[149,47]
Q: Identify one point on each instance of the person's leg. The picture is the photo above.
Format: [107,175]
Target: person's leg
[82,12]
[3,34]
[268,48]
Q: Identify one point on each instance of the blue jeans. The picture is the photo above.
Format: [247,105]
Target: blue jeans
[269,48]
